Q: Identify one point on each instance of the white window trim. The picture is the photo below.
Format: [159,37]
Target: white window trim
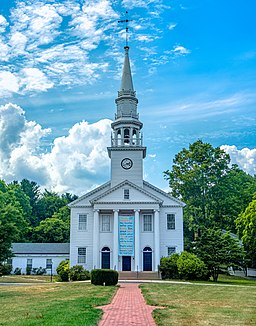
[86,223]
[101,223]
[167,221]
[81,255]
[152,229]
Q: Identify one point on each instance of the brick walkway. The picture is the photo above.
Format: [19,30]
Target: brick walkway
[128,308]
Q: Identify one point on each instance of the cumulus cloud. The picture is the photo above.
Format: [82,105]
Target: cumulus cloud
[70,165]
[35,80]
[245,158]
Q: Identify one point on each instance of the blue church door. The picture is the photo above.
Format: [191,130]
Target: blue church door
[105,258]
[147,259]
[126,263]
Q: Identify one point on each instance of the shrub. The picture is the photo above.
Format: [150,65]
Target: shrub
[38,271]
[190,267]
[104,276]
[63,271]
[17,271]
[78,273]
[168,266]
[5,269]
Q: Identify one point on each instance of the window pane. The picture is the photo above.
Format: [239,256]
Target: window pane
[48,263]
[170,221]
[171,250]
[82,221]
[81,255]
[105,227]
[29,263]
[147,223]
[126,194]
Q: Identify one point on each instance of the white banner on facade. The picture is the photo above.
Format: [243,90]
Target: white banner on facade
[126,235]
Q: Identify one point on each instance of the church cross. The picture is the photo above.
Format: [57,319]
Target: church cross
[126,21]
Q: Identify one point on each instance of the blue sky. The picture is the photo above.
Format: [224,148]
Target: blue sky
[194,68]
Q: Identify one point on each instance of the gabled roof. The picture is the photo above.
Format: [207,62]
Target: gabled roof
[130,184]
[90,193]
[147,184]
[40,248]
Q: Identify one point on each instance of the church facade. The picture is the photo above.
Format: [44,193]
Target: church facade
[126,224]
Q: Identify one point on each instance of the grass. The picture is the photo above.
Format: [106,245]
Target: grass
[27,279]
[232,280]
[203,304]
[53,304]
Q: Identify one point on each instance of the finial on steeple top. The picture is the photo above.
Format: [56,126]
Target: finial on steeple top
[126,21]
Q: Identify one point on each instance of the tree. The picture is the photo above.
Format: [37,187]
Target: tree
[218,250]
[214,193]
[231,196]
[51,230]
[48,204]
[32,190]
[246,226]
[194,174]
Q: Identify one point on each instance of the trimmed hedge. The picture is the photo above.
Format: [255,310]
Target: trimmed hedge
[104,277]
[168,267]
[5,269]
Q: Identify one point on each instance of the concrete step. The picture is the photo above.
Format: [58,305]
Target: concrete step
[138,276]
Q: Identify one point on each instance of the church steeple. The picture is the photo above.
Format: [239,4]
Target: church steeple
[126,150]
[127,83]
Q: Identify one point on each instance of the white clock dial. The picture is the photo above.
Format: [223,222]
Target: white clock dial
[126,163]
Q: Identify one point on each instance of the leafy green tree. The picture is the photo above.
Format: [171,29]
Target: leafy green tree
[194,173]
[219,250]
[15,193]
[63,214]
[49,203]
[51,230]
[230,197]
[32,190]
[246,226]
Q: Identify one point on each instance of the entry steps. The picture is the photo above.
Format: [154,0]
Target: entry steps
[138,276]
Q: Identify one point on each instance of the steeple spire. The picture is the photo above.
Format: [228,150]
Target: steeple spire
[126,84]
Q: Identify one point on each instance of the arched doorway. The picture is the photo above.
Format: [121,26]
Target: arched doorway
[147,259]
[105,258]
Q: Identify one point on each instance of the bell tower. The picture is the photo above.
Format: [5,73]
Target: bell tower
[126,151]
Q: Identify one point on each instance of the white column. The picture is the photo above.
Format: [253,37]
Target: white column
[137,240]
[96,238]
[115,240]
[157,239]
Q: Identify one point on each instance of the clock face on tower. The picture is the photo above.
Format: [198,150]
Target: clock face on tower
[126,163]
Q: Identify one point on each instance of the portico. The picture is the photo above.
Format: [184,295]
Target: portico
[117,260]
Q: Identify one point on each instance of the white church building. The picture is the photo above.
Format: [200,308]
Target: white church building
[126,224]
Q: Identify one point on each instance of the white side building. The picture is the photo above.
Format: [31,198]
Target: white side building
[35,255]
[126,224]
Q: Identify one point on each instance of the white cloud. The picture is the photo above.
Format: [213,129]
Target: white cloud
[172,26]
[180,50]
[72,164]
[244,158]
[3,23]
[35,80]
[8,83]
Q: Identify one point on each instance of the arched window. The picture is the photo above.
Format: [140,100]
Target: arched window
[147,249]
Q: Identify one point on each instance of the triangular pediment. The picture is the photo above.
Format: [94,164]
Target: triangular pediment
[136,194]
[86,198]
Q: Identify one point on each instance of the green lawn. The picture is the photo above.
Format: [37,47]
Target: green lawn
[197,304]
[53,304]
